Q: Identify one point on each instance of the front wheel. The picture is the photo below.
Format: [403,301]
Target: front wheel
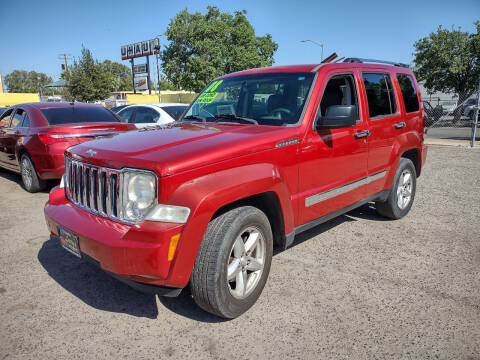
[233,262]
[402,193]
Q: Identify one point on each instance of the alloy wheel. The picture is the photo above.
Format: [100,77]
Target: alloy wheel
[245,263]
[404,189]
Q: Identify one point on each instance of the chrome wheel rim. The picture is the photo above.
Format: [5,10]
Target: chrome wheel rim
[246,262]
[404,189]
[26,173]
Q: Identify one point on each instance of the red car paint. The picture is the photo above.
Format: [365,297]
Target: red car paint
[207,166]
[46,144]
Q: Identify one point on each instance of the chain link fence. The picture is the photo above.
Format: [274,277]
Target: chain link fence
[446,119]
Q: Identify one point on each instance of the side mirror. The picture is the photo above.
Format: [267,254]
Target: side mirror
[337,117]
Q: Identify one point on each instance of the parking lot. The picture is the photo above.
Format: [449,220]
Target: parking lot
[357,287]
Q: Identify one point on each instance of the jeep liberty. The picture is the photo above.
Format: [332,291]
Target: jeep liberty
[260,156]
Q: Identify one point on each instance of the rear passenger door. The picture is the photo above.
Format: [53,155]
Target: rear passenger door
[383,115]
[5,120]
[14,135]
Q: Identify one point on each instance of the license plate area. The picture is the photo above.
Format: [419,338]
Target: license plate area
[69,241]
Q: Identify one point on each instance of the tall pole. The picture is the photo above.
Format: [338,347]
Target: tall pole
[133,76]
[158,79]
[148,75]
[158,68]
[316,43]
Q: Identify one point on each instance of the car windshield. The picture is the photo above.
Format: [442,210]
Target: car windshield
[175,111]
[263,99]
[74,114]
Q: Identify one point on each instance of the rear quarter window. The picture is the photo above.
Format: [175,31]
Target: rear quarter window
[74,115]
[409,94]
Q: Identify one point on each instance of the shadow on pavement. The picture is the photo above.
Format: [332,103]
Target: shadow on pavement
[93,286]
[97,289]
[17,178]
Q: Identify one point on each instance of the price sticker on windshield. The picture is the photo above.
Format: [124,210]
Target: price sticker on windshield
[209,94]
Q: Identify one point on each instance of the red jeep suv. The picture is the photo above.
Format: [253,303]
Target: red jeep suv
[260,156]
[33,137]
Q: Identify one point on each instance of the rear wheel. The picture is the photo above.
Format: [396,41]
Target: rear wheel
[400,199]
[233,262]
[31,181]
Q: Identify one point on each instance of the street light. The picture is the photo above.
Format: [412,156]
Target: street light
[316,43]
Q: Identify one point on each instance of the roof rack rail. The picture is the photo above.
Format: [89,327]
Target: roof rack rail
[360,60]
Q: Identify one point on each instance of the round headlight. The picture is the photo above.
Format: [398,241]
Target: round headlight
[141,190]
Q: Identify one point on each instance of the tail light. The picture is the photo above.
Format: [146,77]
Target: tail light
[51,138]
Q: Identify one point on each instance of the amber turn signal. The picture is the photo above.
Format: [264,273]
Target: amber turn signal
[173,246]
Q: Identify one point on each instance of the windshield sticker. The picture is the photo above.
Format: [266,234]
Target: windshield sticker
[209,94]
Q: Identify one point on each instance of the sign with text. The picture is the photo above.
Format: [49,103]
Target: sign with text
[144,48]
[140,69]
[141,83]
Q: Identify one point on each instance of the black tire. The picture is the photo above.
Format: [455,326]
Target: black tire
[390,208]
[31,182]
[209,285]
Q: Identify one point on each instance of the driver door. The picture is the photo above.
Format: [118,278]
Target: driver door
[333,162]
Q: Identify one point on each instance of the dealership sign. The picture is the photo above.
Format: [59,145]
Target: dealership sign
[140,69]
[141,83]
[144,48]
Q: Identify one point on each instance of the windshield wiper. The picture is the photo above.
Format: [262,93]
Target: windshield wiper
[235,117]
[196,117]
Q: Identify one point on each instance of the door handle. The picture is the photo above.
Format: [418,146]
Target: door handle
[400,125]
[362,134]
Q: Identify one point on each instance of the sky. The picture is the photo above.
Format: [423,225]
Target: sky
[379,29]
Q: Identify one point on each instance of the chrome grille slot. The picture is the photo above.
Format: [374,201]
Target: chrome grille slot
[93,188]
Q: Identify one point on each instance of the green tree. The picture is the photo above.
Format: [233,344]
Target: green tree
[120,76]
[202,47]
[165,85]
[21,81]
[89,81]
[449,61]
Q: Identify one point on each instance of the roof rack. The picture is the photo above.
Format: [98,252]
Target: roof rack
[360,60]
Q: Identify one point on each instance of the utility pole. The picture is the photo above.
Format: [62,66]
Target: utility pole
[65,58]
[316,43]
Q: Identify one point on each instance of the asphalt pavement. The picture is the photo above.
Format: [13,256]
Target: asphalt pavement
[357,287]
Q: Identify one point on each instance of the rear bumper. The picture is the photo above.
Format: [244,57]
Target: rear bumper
[134,253]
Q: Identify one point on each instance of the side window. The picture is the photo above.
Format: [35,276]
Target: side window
[26,121]
[340,90]
[146,115]
[5,118]
[380,95]
[126,114]
[17,119]
[409,94]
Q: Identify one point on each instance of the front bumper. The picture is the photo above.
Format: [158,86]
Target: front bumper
[137,253]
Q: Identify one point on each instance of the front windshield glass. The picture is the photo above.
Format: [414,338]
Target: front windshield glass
[267,99]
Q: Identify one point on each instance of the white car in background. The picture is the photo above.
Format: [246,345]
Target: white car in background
[143,115]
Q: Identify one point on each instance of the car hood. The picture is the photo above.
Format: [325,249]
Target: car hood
[181,146]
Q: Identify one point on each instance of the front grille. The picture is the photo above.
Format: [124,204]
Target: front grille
[93,188]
